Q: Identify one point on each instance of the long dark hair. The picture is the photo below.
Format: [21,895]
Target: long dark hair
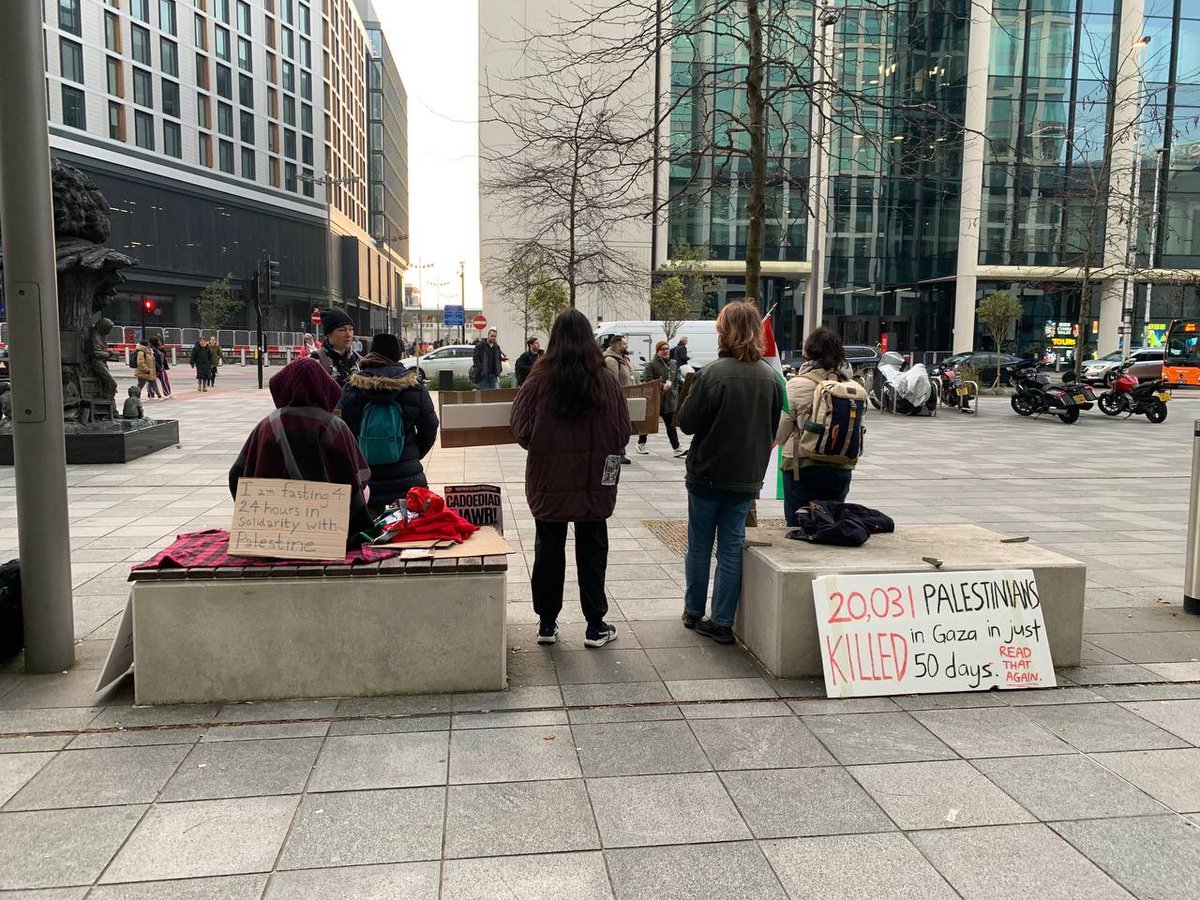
[574,366]
[824,349]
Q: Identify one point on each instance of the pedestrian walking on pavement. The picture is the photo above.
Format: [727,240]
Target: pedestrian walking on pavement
[616,357]
[572,418]
[663,370]
[489,362]
[161,364]
[202,362]
[732,411]
[214,347]
[146,371]
[803,479]
[391,412]
[309,347]
[680,354]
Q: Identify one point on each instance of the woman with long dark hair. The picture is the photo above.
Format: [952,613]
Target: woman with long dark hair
[573,419]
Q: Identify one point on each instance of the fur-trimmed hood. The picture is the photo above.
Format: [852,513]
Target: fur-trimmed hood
[390,379]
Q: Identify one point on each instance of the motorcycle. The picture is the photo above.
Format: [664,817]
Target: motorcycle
[1078,389]
[1033,395]
[950,388]
[1136,399]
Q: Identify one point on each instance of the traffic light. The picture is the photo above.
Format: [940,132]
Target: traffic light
[273,270]
[148,305]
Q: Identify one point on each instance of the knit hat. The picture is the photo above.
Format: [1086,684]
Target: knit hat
[333,319]
[386,345]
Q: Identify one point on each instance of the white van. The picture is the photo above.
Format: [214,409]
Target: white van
[642,336]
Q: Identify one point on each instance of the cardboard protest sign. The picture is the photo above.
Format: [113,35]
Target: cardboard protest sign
[479,504]
[918,633]
[285,519]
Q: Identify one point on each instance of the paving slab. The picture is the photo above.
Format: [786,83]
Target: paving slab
[519,818]
[61,847]
[694,872]
[228,887]
[107,777]
[1096,728]
[410,881]
[362,827]
[559,876]
[979,864]
[1179,717]
[254,768]
[638,748]
[512,754]
[1154,857]
[1073,786]
[1172,777]
[990,731]
[645,810]
[610,666]
[938,795]
[360,762]
[801,802]
[854,866]
[877,738]
[762,743]
[17,768]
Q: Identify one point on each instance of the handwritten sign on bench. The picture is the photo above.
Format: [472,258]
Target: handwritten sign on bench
[918,633]
[285,519]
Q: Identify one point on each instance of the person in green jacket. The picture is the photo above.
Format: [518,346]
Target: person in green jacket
[732,410]
[663,370]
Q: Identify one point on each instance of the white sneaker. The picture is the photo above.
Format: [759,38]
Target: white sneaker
[681,452]
[641,448]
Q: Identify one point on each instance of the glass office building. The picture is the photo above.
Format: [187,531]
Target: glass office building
[1023,145]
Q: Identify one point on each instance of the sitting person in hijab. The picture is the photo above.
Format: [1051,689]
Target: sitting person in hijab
[303,440]
[392,415]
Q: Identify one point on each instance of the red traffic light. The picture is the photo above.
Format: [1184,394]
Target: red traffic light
[148,305]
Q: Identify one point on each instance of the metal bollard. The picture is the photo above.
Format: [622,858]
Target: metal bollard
[1191,575]
[243,356]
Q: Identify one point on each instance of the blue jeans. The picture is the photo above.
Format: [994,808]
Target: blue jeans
[490,383]
[719,514]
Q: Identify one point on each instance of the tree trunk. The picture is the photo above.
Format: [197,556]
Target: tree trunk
[1085,320]
[756,105]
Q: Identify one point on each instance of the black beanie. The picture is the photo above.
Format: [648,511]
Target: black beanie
[333,319]
[387,346]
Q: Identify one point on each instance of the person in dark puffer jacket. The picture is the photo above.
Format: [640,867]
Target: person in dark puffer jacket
[381,378]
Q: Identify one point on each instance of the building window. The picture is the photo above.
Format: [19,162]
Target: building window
[273,103]
[68,17]
[272,68]
[306,85]
[246,91]
[247,163]
[221,10]
[289,176]
[205,145]
[289,77]
[306,52]
[140,10]
[116,77]
[73,107]
[201,33]
[243,17]
[166,16]
[286,10]
[221,45]
[289,143]
[273,171]
[172,140]
[225,81]
[306,150]
[141,44]
[112,32]
[289,44]
[306,118]
[168,57]
[225,119]
[143,130]
[170,98]
[245,58]
[143,88]
[70,57]
[116,121]
[203,111]
[307,183]
[289,111]
[247,120]
[273,138]
[305,20]
[202,71]
[225,156]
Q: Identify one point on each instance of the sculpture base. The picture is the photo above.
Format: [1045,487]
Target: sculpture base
[116,442]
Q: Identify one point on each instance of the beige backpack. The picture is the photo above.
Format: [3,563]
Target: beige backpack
[833,432]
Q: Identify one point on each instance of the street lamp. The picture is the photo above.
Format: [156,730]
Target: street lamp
[827,17]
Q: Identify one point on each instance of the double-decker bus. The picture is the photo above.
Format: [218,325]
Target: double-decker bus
[1181,359]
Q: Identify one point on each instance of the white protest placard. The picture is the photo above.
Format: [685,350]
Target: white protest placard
[918,633]
[284,519]
[479,504]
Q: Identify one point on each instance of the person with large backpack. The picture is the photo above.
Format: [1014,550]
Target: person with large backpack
[821,433]
[385,404]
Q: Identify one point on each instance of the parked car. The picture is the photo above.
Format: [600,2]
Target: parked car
[860,357]
[1148,368]
[985,362]
[1105,370]
[458,358]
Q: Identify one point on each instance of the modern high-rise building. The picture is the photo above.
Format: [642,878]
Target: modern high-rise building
[218,129]
[1039,147]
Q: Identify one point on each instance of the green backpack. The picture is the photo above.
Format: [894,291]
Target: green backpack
[381,433]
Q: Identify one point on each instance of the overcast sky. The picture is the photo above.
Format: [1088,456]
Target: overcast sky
[434,43]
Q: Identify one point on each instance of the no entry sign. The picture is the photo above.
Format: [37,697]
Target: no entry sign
[315,318]
[480,322]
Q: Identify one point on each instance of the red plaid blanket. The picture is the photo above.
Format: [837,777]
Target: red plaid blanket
[210,550]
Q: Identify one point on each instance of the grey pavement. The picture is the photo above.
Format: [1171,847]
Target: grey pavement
[662,766]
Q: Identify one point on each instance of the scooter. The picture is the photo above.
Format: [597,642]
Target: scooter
[1135,399]
[1033,395]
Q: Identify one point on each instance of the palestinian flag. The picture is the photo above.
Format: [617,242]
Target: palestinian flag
[772,488]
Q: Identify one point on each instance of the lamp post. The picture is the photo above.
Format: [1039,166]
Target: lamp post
[827,17]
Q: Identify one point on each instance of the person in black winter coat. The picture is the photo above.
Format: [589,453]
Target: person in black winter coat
[381,378]
[527,360]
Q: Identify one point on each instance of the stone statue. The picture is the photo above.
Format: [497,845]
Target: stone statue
[88,277]
[133,404]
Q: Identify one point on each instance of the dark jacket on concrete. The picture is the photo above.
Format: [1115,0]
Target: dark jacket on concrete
[732,409]
[488,360]
[663,370]
[340,365]
[565,461]
[524,364]
[393,383]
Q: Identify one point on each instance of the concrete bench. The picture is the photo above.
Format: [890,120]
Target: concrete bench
[777,623]
[309,630]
